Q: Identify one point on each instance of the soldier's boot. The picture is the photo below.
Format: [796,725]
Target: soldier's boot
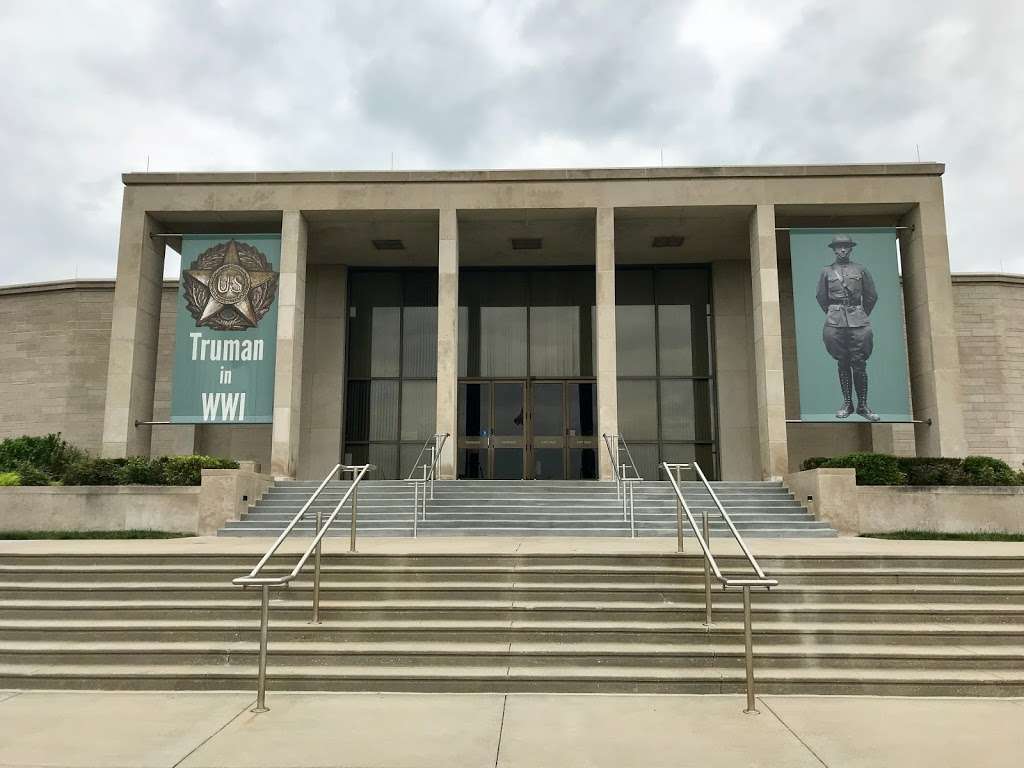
[860,380]
[846,384]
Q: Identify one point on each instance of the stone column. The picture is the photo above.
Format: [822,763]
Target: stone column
[323,370]
[291,298]
[134,333]
[607,370]
[771,390]
[931,332]
[447,337]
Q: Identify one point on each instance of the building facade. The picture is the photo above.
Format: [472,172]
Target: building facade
[525,313]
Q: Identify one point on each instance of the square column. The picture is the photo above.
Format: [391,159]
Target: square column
[323,370]
[447,338]
[607,370]
[291,298]
[771,390]
[134,333]
[931,333]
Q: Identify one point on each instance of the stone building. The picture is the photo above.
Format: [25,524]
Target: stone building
[652,303]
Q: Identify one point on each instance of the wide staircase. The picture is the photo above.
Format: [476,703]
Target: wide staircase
[533,508]
[491,622]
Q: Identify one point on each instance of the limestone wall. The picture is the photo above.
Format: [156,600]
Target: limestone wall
[990,329]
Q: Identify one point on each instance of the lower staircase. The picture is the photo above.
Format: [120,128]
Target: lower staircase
[573,622]
[533,508]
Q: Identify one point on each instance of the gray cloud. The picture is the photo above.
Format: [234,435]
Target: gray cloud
[88,90]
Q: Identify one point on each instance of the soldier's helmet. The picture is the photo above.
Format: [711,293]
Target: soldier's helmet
[841,240]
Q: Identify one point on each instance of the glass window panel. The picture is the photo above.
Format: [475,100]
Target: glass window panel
[472,464]
[548,464]
[582,464]
[634,286]
[384,325]
[583,409]
[702,454]
[508,409]
[508,463]
[419,342]
[638,409]
[464,344]
[677,417]
[634,340]
[674,340]
[419,409]
[554,341]
[357,411]
[680,287]
[385,457]
[547,409]
[474,409]
[357,454]
[407,453]
[646,458]
[368,290]
[502,341]
[384,410]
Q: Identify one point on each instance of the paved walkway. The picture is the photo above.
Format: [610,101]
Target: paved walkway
[226,545]
[147,730]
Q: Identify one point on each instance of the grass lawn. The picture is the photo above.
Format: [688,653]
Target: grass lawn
[934,536]
[133,534]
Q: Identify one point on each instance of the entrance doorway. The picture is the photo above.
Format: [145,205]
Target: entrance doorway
[527,430]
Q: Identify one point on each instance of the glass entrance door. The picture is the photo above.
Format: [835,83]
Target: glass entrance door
[514,430]
[492,430]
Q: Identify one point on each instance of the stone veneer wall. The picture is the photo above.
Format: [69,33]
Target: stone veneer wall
[55,343]
[990,328]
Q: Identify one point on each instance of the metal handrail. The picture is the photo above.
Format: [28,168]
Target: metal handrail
[254,579]
[429,472]
[623,483]
[703,536]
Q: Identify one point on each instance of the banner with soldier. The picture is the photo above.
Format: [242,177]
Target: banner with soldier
[850,343]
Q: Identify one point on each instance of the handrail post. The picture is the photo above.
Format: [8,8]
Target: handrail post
[707,572]
[679,512]
[261,685]
[352,529]
[748,643]
[316,570]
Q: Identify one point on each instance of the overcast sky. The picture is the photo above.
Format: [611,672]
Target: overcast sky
[89,90]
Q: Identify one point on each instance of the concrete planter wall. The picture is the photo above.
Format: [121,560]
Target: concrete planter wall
[224,495]
[833,495]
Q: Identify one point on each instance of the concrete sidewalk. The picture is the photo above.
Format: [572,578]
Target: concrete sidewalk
[530,545]
[147,730]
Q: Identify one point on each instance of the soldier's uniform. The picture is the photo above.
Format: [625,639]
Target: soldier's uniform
[846,294]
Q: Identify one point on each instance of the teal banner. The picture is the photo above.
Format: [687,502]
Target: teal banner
[226,330]
[851,350]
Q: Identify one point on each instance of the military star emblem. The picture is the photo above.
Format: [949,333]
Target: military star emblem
[230,287]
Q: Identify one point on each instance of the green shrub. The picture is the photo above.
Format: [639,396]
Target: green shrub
[31,474]
[984,470]
[95,472]
[9,478]
[814,462]
[871,468]
[50,454]
[141,470]
[924,470]
[188,470]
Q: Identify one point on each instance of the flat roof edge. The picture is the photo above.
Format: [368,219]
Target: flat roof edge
[539,174]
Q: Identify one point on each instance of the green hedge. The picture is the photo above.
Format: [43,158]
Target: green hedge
[883,469]
[138,470]
[40,459]
[51,460]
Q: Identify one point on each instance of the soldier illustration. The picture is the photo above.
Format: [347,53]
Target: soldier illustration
[846,294]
